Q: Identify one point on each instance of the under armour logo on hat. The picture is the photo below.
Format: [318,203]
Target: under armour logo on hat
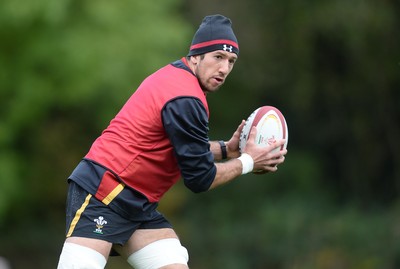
[226,48]
[214,33]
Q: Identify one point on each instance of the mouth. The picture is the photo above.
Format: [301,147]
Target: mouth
[219,80]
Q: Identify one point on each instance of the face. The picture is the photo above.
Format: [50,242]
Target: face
[213,68]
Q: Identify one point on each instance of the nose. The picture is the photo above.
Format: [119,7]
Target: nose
[225,67]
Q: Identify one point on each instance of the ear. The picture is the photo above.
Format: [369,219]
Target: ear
[195,59]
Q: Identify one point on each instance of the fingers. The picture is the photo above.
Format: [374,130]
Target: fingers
[232,144]
[240,127]
[252,135]
[266,169]
[236,134]
[272,147]
[274,162]
[270,162]
[266,158]
[277,145]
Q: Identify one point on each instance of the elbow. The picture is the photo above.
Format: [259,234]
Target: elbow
[195,188]
[200,183]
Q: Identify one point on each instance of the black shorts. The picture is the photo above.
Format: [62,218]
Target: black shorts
[90,218]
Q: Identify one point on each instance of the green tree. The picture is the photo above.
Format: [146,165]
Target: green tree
[66,67]
[332,67]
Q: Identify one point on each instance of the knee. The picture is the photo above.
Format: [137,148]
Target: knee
[76,256]
[158,254]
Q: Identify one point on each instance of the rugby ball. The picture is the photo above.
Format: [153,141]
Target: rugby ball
[270,124]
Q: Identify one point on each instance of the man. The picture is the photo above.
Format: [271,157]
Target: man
[159,136]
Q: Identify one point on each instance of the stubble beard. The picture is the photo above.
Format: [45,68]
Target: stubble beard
[205,88]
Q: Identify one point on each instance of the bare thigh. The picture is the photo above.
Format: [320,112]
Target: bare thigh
[142,237]
[103,247]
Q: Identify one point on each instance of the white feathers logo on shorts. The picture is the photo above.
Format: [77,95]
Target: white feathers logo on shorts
[100,222]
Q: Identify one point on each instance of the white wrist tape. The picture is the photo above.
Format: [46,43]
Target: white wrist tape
[247,163]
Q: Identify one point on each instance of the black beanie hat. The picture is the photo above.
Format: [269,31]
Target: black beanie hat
[215,33]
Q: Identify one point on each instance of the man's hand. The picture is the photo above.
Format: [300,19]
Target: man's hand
[266,159]
[232,146]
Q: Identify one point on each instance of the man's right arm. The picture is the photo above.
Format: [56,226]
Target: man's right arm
[263,158]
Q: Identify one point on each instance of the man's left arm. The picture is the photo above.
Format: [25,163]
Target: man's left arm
[228,149]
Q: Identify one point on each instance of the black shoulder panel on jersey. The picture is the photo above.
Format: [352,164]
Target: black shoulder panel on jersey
[180,64]
[185,120]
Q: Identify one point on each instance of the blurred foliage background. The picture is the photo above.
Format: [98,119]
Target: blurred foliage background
[332,67]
